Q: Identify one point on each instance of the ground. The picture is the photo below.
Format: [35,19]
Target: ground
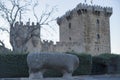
[93,77]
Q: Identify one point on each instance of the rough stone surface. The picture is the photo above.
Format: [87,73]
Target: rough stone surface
[94,77]
[88,26]
[84,29]
[39,62]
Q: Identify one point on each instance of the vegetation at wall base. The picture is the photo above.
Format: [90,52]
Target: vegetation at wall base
[13,65]
[85,63]
[52,73]
[106,64]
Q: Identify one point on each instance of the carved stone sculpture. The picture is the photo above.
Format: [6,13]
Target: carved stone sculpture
[39,62]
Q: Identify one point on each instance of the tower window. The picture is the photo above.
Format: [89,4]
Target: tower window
[98,36]
[70,38]
[97,13]
[79,12]
[69,26]
[97,25]
[98,21]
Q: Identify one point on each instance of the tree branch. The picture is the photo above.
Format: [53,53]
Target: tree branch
[36,4]
[3,29]
[3,45]
[45,17]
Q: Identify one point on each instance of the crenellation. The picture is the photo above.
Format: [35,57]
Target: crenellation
[68,13]
[51,42]
[37,24]
[108,10]
[90,8]
[46,42]
[21,23]
[32,23]
[28,24]
[83,8]
[98,8]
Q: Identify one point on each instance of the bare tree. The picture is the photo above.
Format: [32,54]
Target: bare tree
[4,29]
[14,12]
[45,17]
[11,11]
[2,44]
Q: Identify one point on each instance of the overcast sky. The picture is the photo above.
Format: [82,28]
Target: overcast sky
[65,5]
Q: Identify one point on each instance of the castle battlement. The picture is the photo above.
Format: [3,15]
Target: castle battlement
[109,10]
[81,6]
[46,42]
[93,8]
[98,8]
[21,24]
[83,9]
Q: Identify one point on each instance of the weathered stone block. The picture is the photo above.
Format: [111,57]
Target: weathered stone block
[39,62]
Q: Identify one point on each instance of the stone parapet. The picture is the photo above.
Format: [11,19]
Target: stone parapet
[21,24]
[84,8]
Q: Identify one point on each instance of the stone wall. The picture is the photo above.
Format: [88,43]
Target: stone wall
[69,47]
[86,28]
[27,37]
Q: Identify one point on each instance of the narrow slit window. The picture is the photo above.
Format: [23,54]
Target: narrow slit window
[97,25]
[98,36]
[98,21]
[69,26]
[70,38]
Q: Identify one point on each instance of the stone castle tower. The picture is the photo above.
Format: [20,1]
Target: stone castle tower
[83,29]
[88,26]
[26,37]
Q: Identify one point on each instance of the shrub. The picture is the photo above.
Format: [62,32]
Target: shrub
[13,65]
[52,73]
[106,64]
[99,65]
[85,64]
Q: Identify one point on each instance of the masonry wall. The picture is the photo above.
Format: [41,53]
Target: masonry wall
[88,26]
[69,47]
[84,29]
[97,32]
